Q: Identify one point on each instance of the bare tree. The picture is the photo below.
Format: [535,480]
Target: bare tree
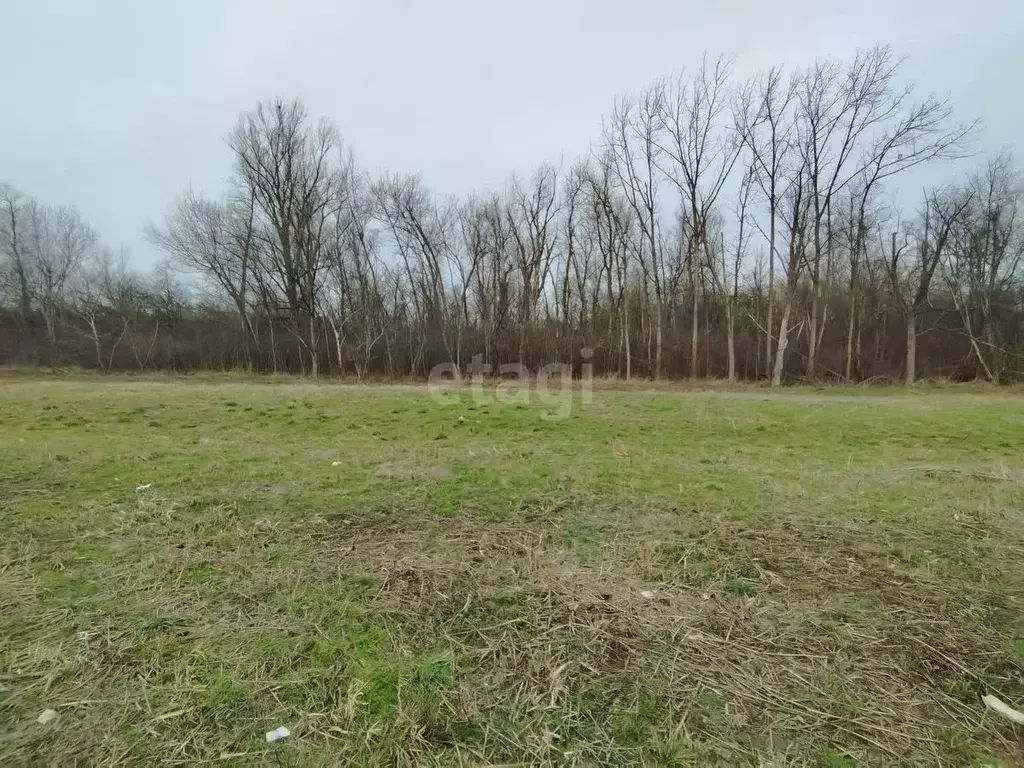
[56,242]
[911,266]
[633,137]
[12,245]
[796,225]
[216,240]
[858,123]
[106,297]
[284,165]
[612,224]
[531,213]
[766,124]
[424,236]
[701,150]
[724,266]
[920,133]
[983,262]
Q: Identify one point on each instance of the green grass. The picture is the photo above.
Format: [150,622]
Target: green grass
[668,576]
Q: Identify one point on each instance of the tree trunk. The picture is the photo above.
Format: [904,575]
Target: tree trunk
[812,327]
[771,287]
[96,342]
[273,345]
[849,335]
[780,350]
[337,348]
[695,332]
[731,338]
[911,364]
[857,356]
[314,363]
[246,354]
[658,340]
[997,364]
[625,336]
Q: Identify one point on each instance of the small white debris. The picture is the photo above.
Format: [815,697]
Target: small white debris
[145,487]
[46,716]
[996,705]
[335,463]
[647,594]
[278,733]
[705,596]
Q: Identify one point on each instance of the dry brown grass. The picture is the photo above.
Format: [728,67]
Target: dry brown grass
[892,668]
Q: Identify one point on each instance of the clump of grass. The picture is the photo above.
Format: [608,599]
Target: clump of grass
[740,588]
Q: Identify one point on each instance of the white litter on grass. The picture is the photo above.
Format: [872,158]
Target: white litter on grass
[46,716]
[145,487]
[1004,709]
[335,463]
[647,594]
[278,733]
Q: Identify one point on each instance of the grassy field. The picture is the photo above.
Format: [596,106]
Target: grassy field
[664,577]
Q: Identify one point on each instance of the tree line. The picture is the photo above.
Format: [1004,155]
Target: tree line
[719,229]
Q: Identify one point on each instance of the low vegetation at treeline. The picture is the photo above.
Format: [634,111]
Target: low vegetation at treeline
[664,576]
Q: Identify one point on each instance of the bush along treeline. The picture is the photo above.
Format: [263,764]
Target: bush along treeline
[717,229]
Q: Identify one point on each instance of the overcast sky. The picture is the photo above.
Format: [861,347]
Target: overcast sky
[116,106]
